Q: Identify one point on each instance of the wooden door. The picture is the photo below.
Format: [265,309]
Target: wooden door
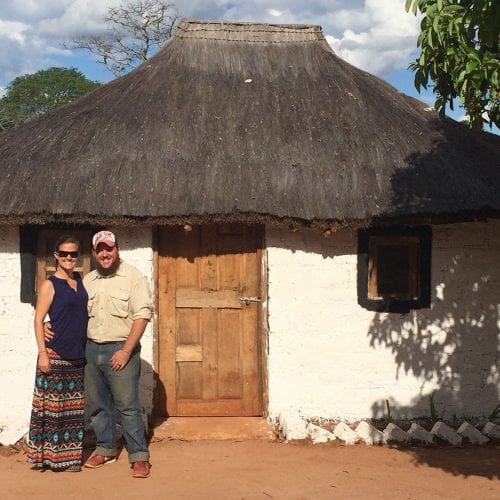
[209,282]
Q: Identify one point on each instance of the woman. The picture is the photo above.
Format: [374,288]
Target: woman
[56,428]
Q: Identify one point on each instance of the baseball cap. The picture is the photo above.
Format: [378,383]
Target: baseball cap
[104,237]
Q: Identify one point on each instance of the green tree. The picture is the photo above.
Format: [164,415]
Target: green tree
[460,55]
[135,30]
[30,96]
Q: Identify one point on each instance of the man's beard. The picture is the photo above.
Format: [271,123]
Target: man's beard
[110,270]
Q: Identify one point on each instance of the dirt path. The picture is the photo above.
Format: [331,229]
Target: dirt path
[265,470]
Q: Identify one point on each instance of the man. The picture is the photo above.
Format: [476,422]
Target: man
[119,309]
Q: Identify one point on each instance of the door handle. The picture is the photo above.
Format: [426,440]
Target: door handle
[248,300]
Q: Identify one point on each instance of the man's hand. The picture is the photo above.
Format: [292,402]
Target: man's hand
[119,360]
[48,334]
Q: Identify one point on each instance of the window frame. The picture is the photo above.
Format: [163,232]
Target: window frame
[31,251]
[418,240]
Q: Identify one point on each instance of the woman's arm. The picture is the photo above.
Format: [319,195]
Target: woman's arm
[43,301]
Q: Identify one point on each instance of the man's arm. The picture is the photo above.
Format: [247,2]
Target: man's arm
[141,310]
[120,358]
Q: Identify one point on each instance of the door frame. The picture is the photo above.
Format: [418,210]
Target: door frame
[159,394]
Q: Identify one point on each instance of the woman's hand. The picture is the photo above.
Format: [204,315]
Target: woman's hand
[43,362]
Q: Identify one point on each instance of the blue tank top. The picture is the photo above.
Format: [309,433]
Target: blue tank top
[68,317]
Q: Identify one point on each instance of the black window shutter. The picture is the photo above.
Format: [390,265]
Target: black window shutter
[28,239]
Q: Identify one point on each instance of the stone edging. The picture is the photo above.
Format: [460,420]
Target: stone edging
[416,434]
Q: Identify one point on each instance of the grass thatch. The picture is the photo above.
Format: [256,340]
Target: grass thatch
[235,121]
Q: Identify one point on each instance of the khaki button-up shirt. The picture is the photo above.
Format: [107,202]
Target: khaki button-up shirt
[115,301]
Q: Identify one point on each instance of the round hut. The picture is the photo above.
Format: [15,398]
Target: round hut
[318,242]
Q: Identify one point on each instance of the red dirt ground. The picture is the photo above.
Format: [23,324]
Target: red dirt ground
[268,470]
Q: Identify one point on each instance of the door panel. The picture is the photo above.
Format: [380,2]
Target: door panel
[209,342]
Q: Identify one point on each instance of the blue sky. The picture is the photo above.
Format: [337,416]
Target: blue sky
[377,36]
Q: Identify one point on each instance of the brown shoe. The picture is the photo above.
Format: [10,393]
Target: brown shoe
[96,461]
[140,469]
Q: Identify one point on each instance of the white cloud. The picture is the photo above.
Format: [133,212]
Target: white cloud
[13,31]
[357,19]
[386,42]
[30,11]
[274,12]
[79,18]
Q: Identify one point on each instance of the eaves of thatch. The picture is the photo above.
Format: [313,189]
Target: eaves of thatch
[246,122]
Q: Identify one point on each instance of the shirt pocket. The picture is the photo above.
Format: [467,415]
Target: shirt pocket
[91,307]
[119,303]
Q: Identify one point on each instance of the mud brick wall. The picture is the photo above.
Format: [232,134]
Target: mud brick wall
[331,358]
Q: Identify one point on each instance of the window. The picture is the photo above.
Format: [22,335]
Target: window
[394,268]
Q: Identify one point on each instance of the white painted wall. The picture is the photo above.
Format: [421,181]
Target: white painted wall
[17,339]
[330,358]
[17,342]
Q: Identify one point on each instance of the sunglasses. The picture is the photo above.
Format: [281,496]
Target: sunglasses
[64,253]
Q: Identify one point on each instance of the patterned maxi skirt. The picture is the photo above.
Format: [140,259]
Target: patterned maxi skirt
[56,428]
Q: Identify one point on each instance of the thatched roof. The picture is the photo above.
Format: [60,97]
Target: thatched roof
[237,121]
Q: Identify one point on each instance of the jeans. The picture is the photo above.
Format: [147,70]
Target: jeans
[106,391]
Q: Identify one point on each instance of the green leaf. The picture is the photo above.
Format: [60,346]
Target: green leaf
[463,88]
[421,38]
[429,40]
[471,66]
[462,76]
[454,8]
[474,54]
[420,80]
[435,24]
